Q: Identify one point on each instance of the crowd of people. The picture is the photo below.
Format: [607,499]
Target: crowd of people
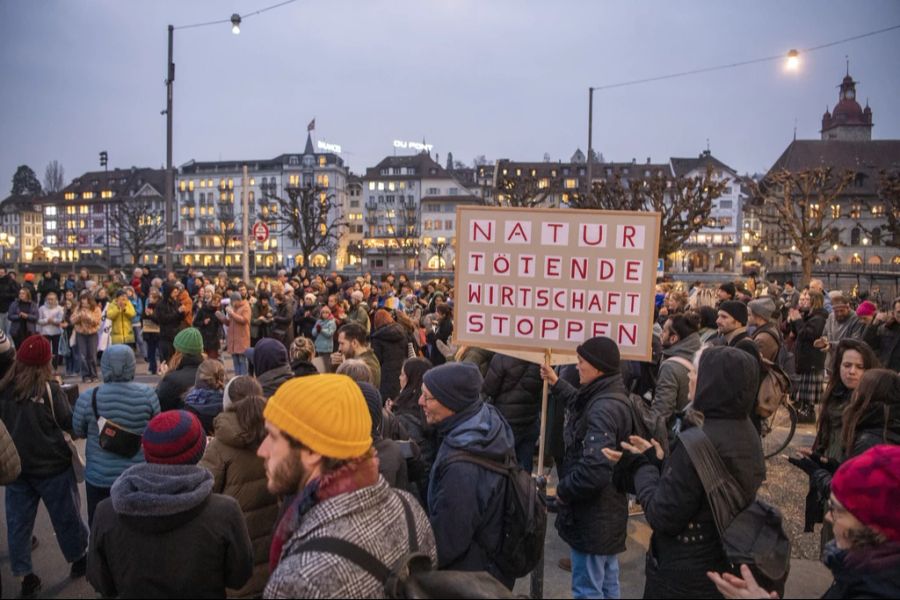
[345,410]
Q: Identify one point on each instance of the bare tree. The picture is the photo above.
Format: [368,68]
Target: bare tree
[140,229]
[889,203]
[798,205]
[524,191]
[305,216]
[685,203]
[54,177]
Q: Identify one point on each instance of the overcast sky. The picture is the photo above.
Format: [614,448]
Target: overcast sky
[502,78]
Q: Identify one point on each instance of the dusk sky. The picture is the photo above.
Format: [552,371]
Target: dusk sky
[500,78]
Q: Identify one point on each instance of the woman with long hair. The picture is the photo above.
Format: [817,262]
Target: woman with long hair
[238,472]
[852,359]
[87,319]
[151,329]
[805,325]
[36,412]
[51,316]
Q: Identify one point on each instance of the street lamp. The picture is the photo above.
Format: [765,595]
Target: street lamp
[170,176]
[793,60]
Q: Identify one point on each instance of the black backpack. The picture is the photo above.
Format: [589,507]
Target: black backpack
[751,531]
[413,575]
[644,425]
[524,516]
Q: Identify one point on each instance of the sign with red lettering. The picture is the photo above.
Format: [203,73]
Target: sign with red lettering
[532,279]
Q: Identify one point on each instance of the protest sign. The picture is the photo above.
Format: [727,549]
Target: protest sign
[531,280]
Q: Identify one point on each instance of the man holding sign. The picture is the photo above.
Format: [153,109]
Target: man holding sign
[592,514]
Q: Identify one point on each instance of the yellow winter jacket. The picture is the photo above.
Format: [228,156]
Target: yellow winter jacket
[122,329]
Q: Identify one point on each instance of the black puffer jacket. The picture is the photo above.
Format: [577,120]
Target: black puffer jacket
[283,327]
[173,386]
[593,516]
[514,386]
[389,343]
[807,330]
[685,544]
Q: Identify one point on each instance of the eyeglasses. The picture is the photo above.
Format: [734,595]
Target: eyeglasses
[835,509]
[428,398]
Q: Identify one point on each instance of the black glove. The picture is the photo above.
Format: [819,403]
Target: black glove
[808,465]
[829,464]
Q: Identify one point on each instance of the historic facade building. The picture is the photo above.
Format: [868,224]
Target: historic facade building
[857,217]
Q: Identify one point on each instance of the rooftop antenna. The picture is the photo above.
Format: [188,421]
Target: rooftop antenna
[847,57]
[795,129]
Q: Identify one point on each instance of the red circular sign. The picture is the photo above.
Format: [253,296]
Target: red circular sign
[260,231]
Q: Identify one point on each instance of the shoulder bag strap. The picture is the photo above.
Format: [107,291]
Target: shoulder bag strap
[714,476]
[50,400]
[410,524]
[487,463]
[349,551]
[94,404]
[681,361]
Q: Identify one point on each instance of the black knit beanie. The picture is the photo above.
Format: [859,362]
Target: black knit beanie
[602,353]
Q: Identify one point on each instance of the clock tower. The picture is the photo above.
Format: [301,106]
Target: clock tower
[848,121]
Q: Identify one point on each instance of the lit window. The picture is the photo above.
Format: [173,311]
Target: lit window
[191,185]
[835,211]
[543,183]
[50,211]
[209,183]
[230,184]
[252,181]
[70,195]
[878,211]
[82,210]
[380,186]
[87,195]
[203,183]
[322,161]
[571,184]
[182,185]
[372,185]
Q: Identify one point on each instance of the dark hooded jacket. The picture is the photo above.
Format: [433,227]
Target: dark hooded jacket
[514,387]
[390,346]
[593,515]
[685,543]
[870,572]
[464,504]
[163,534]
[391,463]
[175,384]
[270,362]
[885,341]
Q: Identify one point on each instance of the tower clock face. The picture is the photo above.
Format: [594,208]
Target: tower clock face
[850,94]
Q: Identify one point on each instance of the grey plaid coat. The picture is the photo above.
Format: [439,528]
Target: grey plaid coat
[371,518]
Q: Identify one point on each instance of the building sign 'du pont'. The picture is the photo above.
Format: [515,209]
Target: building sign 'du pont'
[413,145]
[538,279]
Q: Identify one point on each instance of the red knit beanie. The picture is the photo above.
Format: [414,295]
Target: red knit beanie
[174,437]
[35,351]
[868,486]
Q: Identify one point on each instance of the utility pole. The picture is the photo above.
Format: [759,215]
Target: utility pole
[245,226]
[590,139]
[170,179]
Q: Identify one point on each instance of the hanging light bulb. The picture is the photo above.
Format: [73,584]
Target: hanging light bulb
[235,23]
[793,60]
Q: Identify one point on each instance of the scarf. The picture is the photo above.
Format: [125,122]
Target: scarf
[355,475]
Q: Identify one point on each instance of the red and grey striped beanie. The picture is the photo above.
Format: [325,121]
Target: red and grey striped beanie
[174,437]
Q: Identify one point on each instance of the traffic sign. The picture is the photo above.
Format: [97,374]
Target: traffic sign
[260,231]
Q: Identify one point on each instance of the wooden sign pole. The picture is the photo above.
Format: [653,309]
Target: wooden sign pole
[544,400]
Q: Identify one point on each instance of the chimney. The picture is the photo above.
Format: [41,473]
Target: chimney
[648,160]
[634,161]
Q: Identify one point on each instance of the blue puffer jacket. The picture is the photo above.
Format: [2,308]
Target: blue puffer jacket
[120,400]
[465,510]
